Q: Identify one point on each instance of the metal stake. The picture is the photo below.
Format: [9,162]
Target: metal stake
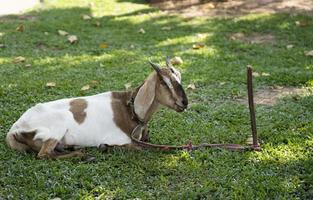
[255,144]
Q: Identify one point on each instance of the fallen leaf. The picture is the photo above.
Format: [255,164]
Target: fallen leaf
[237,36]
[19,59]
[86,17]
[132,46]
[127,86]
[302,23]
[191,86]
[20,28]
[86,87]
[51,84]
[72,39]
[104,45]
[177,60]
[198,46]
[201,36]
[28,65]
[94,82]
[249,141]
[166,28]
[255,74]
[142,31]
[308,53]
[97,24]
[290,46]
[46,33]
[2,46]
[265,74]
[62,33]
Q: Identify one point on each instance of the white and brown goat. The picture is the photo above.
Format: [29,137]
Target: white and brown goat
[107,118]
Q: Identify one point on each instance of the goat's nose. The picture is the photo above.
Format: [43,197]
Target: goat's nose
[185,102]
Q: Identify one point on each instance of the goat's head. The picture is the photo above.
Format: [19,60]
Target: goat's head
[164,87]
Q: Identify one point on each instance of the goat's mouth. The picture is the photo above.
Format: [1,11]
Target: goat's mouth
[179,108]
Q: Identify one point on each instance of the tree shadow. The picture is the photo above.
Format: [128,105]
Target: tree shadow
[193,8]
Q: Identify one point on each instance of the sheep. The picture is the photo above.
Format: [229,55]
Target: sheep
[107,118]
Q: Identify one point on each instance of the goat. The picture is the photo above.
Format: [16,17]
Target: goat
[106,118]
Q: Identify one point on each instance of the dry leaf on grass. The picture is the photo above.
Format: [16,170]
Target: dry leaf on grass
[72,39]
[51,84]
[2,46]
[19,59]
[142,31]
[237,36]
[103,45]
[86,17]
[86,87]
[132,46]
[127,86]
[201,36]
[308,53]
[28,65]
[256,74]
[62,33]
[302,23]
[191,86]
[20,28]
[97,24]
[198,46]
[249,141]
[94,82]
[177,60]
[290,46]
[46,33]
[166,28]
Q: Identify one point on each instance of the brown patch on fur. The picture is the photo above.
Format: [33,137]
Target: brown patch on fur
[27,139]
[16,145]
[122,113]
[77,107]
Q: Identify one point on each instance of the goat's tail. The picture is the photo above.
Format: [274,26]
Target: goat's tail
[13,142]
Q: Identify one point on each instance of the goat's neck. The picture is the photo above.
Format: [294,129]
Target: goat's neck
[152,109]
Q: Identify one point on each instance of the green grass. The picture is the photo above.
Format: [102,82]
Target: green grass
[283,170]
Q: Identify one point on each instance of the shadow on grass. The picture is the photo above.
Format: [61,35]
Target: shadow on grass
[120,33]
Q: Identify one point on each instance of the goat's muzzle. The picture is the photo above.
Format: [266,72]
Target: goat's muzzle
[181,106]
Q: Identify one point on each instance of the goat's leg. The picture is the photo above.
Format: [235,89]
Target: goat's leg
[145,135]
[48,151]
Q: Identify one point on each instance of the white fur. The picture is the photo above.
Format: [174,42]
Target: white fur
[54,120]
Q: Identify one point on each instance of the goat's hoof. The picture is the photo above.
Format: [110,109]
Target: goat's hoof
[145,138]
[103,148]
[88,158]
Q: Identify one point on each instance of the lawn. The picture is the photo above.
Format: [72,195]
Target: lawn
[111,52]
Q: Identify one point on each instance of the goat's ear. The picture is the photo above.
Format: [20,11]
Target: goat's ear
[145,96]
